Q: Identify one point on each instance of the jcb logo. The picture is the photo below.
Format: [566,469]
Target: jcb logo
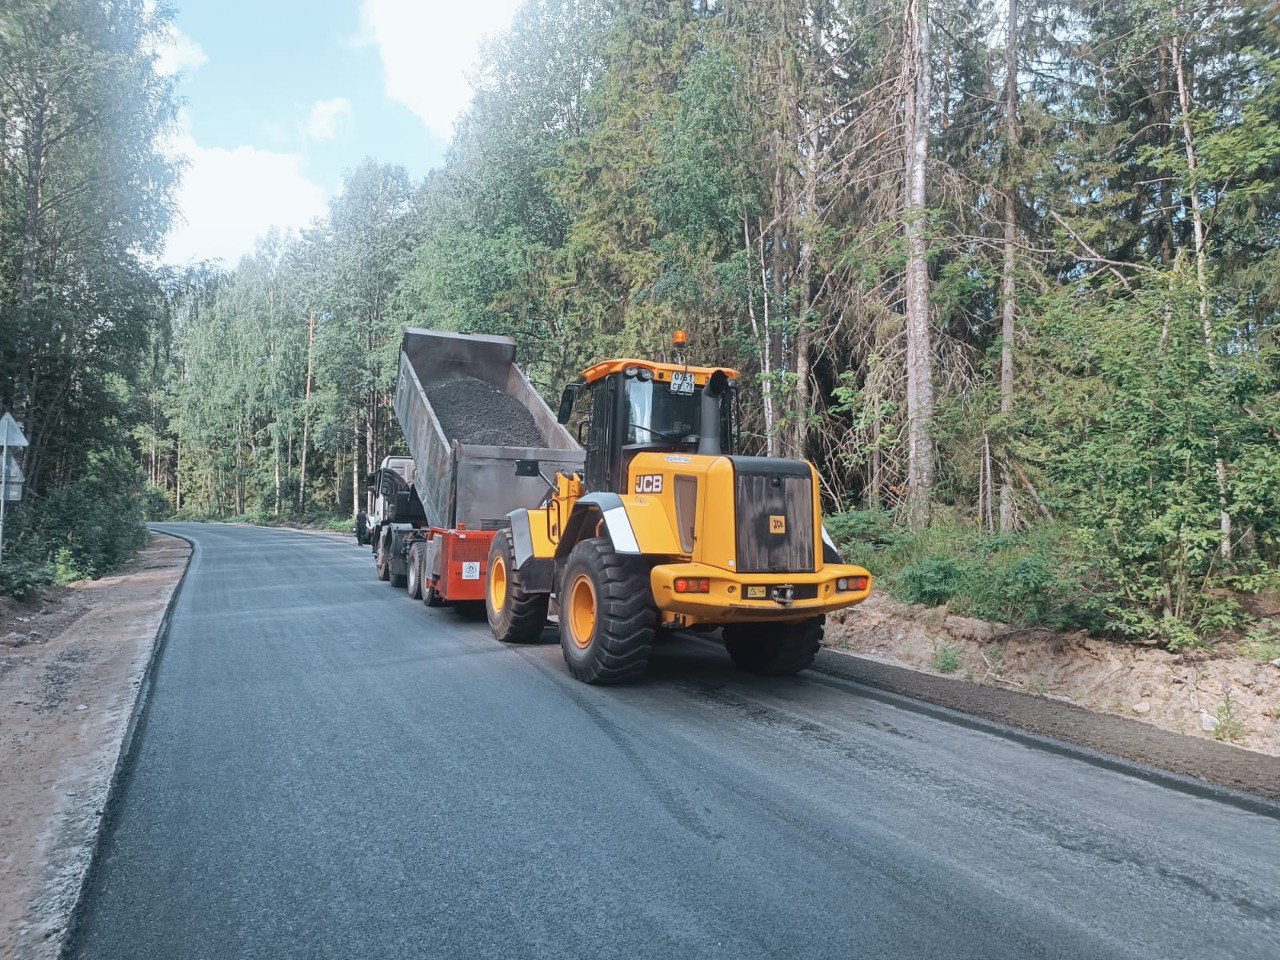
[649,483]
[777,524]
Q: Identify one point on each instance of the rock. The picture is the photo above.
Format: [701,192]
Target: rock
[1208,722]
[81,706]
[14,639]
[1142,707]
[969,628]
[1276,662]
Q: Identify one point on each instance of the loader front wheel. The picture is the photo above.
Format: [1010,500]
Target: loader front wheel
[515,615]
[774,649]
[607,617]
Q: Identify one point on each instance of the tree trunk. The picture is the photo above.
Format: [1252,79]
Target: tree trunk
[809,227]
[920,464]
[1008,286]
[306,414]
[1202,272]
[765,338]
[355,466]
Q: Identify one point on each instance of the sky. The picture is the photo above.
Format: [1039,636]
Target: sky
[280,97]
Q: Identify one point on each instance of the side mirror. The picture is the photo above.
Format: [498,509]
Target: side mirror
[566,403]
[716,384]
[528,468]
[371,480]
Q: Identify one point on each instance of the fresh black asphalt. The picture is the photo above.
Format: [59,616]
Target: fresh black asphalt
[327,769]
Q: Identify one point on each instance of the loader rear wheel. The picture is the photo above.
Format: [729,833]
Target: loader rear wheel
[415,573]
[607,617]
[382,559]
[774,649]
[515,616]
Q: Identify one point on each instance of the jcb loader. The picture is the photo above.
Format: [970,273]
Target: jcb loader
[667,527]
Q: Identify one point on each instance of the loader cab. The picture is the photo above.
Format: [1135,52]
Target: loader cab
[632,407]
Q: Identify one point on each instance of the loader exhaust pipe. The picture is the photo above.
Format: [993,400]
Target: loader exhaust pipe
[709,444]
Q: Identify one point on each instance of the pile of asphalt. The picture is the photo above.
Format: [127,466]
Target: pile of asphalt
[473,411]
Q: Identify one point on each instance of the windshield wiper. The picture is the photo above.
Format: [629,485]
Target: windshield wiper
[665,436]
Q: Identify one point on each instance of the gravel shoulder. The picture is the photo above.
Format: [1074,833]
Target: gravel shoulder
[71,669]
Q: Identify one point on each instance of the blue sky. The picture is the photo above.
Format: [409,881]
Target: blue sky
[281,96]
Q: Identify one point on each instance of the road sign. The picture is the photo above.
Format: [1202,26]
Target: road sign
[11,471]
[11,434]
[11,478]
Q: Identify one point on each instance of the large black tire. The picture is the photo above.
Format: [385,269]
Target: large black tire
[414,584]
[607,617]
[382,557]
[774,649]
[399,580]
[515,616]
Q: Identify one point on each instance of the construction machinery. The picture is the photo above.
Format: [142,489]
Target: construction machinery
[667,526]
[437,510]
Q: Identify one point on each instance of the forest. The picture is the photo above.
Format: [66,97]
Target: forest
[1008,272]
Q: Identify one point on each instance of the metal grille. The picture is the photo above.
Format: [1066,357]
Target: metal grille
[468,550]
[761,499]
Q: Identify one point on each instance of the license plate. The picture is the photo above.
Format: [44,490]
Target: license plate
[471,571]
[682,383]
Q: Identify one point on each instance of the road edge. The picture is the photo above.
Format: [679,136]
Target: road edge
[884,689]
[125,753]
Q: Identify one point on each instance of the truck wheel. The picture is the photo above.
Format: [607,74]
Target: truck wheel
[429,595]
[382,559]
[774,649]
[606,614]
[415,573]
[514,615]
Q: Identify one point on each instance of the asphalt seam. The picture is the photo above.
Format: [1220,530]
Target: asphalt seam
[1202,789]
[125,755]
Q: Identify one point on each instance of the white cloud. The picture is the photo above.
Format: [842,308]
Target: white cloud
[175,52]
[327,117]
[427,49]
[231,197]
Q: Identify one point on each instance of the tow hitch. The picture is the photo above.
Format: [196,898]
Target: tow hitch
[783,595]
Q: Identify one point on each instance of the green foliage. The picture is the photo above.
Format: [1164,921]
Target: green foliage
[932,580]
[83,529]
[1230,725]
[156,503]
[947,659]
[1262,643]
[1042,577]
[22,577]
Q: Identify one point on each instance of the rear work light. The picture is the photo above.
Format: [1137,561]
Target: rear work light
[856,584]
[692,585]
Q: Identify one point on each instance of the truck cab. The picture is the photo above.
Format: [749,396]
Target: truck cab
[396,512]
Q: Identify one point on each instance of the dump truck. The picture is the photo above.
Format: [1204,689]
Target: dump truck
[667,526]
[469,416]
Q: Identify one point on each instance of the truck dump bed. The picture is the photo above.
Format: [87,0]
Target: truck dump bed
[473,484]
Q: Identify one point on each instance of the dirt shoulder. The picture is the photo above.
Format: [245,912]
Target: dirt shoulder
[71,667]
[1138,703]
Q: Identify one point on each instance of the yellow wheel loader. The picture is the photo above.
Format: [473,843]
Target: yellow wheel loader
[667,527]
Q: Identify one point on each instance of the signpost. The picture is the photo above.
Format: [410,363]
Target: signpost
[11,478]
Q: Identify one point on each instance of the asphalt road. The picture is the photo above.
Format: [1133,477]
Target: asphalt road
[326,769]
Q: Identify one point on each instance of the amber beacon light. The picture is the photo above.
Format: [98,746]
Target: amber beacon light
[681,338]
